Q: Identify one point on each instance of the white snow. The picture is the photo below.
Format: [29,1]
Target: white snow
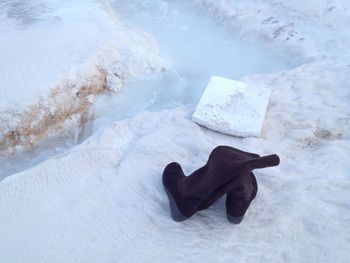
[232,107]
[195,46]
[50,51]
[64,37]
[102,200]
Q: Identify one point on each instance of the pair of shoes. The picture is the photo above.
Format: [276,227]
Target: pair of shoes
[227,171]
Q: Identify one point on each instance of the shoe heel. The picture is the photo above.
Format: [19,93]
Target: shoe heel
[176,215]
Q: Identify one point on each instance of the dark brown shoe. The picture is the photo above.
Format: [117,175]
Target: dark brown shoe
[227,169]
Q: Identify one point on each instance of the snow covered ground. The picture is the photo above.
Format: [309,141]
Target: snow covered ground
[102,200]
[55,56]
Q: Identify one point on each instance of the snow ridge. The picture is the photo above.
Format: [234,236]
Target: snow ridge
[101,53]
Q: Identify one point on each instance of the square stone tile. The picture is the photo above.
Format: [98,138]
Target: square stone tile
[232,107]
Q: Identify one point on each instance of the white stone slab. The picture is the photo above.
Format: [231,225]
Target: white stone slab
[232,107]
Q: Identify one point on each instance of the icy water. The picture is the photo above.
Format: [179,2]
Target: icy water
[195,46]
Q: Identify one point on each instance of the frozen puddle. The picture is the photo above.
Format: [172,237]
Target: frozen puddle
[196,47]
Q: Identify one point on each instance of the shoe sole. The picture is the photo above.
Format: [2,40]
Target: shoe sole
[234,219]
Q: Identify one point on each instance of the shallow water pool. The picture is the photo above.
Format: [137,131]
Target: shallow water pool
[195,47]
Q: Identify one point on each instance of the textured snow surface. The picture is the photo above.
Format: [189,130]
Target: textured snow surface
[45,42]
[102,201]
[232,107]
[55,56]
